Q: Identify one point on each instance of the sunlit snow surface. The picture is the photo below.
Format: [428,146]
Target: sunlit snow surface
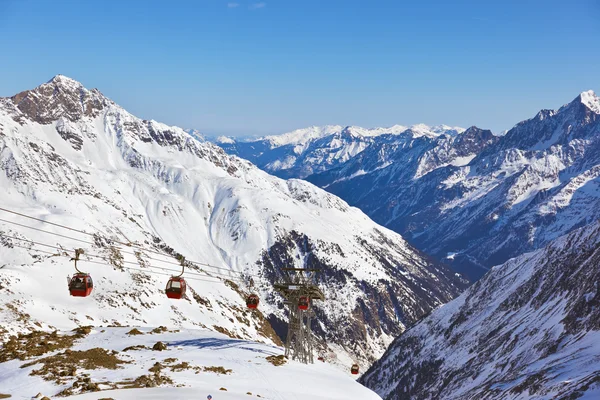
[251,372]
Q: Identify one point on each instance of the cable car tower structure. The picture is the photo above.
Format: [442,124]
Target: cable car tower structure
[299,289]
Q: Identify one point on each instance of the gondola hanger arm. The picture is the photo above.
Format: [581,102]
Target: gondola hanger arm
[182,262]
[78,252]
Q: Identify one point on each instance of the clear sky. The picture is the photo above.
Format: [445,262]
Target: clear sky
[241,67]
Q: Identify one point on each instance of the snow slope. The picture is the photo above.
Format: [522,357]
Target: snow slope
[530,329]
[72,156]
[187,354]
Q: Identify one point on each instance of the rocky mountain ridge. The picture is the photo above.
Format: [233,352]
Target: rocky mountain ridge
[528,330]
[304,152]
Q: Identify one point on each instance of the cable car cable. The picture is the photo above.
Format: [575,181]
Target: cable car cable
[206,273]
[120,249]
[104,264]
[90,234]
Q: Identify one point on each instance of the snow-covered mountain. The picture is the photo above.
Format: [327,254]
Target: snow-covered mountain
[303,152]
[470,197]
[476,199]
[72,156]
[530,329]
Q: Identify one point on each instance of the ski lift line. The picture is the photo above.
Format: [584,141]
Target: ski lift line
[39,251]
[89,234]
[44,221]
[83,232]
[119,248]
[44,231]
[155,272]
[101,263]
[30,241]
[206,274]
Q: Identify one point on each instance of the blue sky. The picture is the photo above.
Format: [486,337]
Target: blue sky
[241,67]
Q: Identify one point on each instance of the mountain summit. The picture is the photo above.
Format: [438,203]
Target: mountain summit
[60,97]
[591,101]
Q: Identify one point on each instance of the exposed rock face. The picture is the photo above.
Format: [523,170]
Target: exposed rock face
[74,157]
[60,97]
[379,307]
[529,329]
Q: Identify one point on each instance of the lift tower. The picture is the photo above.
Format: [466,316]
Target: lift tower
[297,284]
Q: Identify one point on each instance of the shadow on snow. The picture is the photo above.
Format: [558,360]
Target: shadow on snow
[215,343]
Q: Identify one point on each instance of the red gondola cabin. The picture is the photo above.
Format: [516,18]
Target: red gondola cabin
[354,369]
[175,287]
[252,301]
[81,285]
[303,303]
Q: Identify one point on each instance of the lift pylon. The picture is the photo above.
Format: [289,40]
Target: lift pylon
[298,287]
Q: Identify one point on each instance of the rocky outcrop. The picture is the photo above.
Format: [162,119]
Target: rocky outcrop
[59,97]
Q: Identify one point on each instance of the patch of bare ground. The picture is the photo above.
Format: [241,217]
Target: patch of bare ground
[218,370]
[136,347]
[159,346]
[184,365]
[151,380]
[62,368]
[226,332]
[135,331]
[160,329]
[34,344]
[277,360]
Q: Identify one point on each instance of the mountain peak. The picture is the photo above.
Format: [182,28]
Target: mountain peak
[65,80]
[60,96]
[590,100]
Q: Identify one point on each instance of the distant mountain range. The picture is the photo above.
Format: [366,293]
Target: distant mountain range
[304,152]
[468,197]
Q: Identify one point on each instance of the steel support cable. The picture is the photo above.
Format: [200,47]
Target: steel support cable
[94,235]
[110,240]
[205,274]
[130,268]
[87,233]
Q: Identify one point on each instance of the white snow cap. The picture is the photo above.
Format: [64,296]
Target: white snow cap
[65,80]
[591,101]
[305,135]
[225,139]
